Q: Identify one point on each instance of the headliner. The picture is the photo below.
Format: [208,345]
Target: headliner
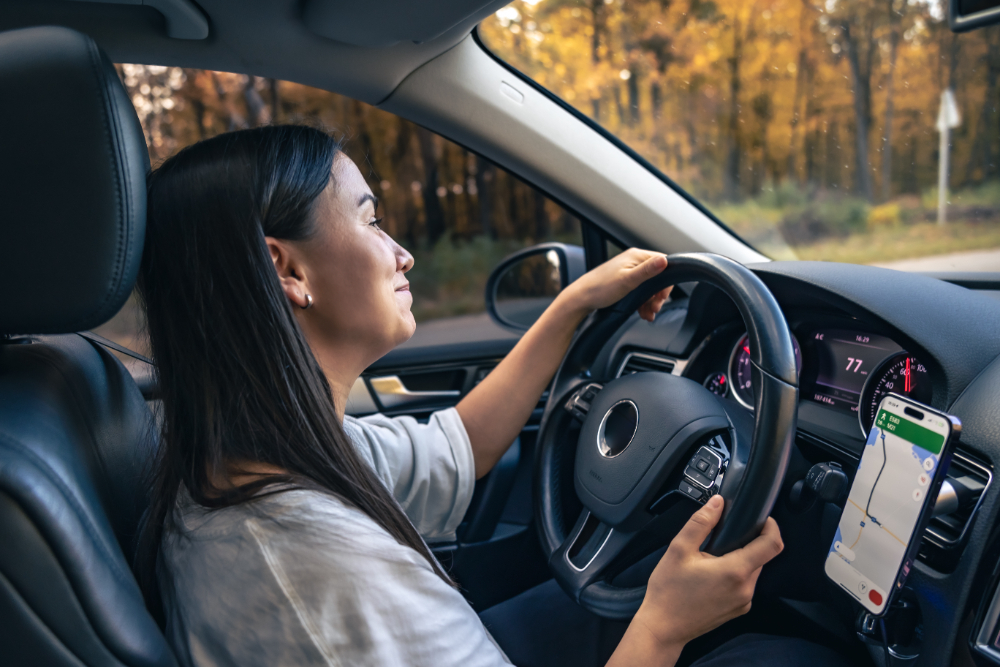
[270,37]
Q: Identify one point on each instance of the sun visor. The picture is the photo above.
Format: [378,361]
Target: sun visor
[382,23]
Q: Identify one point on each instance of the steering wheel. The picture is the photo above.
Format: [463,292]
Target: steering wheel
[653,447]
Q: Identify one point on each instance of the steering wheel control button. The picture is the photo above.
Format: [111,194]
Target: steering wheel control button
[704,467]
[690,491]
[698,478]
[617,428]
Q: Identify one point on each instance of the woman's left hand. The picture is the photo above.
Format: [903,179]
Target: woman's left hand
[497,408]
[610,282]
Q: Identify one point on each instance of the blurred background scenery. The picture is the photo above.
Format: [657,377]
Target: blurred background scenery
[458,213]
[809,127]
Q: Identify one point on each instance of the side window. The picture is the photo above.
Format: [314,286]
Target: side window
[458,213]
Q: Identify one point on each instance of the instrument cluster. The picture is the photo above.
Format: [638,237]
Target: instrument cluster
[844,369]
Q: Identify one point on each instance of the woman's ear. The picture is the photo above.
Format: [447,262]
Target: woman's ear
[290,273]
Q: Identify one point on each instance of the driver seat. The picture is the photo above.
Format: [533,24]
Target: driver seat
[76,435]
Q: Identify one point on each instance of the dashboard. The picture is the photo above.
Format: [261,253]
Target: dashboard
[857,328]
[860,333]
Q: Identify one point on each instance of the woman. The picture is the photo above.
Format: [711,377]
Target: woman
[282,532]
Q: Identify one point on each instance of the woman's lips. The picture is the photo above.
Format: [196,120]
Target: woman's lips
[403,288]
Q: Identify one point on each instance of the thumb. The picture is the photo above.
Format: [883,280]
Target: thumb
[648,268]
[700,525]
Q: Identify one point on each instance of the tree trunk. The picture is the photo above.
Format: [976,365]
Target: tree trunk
[981,149]
[861,80]
[272,85]
[596,7]
[433,213]
[542,228]
[887,124]
[622,115]
[235,121]
[485,176]
[733,156]
[366,139]
[257,112]
[198,106]
[656,99]
[791,166]
[633,97]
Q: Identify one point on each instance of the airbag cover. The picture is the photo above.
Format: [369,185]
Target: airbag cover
[666,404]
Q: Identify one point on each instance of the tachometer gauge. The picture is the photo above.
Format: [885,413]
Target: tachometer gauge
[901,374]
[739,370]
[717,383]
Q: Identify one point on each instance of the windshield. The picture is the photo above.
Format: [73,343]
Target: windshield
[815,129]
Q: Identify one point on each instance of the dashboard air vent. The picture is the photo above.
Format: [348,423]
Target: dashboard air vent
[946,534]
[641,362]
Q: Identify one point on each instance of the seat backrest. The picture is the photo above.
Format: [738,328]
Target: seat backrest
[76,436]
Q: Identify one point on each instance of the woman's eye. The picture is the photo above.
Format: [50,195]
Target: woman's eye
[375,223]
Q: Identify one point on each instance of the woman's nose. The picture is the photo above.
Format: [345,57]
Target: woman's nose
[404,260]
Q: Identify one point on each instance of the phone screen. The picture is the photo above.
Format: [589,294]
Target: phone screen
[898,474]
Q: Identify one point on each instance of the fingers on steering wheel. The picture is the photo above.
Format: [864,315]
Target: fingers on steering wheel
[648,310]
[699,526]
[764,547]
[651,266]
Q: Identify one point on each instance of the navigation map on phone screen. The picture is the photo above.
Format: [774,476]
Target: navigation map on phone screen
[898,466]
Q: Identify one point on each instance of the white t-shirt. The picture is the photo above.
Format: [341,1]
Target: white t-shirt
[300,578]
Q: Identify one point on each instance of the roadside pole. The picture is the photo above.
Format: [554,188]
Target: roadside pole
[947,119]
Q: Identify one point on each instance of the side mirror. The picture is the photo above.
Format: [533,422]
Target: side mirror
[966,15]
[523,285]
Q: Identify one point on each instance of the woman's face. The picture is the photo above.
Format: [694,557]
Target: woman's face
[355,274]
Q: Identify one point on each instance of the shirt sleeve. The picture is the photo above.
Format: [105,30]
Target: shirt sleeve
[428,467]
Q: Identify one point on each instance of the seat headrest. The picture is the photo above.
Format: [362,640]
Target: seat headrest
[73,165]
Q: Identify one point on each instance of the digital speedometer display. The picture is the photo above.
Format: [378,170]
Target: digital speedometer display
[844,360]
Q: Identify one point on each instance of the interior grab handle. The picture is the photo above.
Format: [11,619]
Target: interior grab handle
[392,393]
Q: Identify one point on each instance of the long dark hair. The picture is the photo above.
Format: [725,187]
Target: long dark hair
[237,378]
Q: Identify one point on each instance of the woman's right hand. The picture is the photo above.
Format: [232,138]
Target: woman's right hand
[691,592]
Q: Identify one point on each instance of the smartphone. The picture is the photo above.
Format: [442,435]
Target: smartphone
[903,465]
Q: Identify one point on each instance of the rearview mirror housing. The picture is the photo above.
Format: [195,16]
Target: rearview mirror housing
[964,15]
[523,285]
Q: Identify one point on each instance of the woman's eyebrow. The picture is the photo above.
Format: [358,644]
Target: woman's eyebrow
[368,197]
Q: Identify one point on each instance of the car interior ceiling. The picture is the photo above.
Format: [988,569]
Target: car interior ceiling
[77,434]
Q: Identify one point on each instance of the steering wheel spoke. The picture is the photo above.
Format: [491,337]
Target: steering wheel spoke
[586,554]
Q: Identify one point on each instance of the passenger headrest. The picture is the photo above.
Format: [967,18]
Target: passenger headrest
[73,166]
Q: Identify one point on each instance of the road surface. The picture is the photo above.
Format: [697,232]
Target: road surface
[974,260]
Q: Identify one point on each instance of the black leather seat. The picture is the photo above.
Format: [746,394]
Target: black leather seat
[76,436]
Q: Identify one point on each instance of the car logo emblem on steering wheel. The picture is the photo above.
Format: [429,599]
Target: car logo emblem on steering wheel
[617,428]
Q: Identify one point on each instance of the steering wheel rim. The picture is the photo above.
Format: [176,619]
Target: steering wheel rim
[751,483]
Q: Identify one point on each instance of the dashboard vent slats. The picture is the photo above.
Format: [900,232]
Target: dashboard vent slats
[640,362]
[946,535]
